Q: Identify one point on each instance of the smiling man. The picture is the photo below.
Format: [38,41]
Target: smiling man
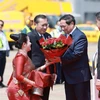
[75,66]
[37,56]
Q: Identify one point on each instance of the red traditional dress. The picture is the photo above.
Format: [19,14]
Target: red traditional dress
[17,88]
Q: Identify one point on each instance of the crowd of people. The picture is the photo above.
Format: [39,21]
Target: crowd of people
[72,68]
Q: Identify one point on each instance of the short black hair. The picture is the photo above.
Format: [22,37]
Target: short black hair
[36,19]
[19,39]
[98,15]
[2,22]
[69,18]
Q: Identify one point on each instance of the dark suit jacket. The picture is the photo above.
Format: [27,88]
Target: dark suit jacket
[75,64]
[36,54]
[98,61]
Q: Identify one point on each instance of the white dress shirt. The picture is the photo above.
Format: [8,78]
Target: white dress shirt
[4,42]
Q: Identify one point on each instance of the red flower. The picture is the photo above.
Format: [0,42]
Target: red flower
[55,47]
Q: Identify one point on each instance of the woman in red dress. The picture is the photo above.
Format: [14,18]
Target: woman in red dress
[19,84]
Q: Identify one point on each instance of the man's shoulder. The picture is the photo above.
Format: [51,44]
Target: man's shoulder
[47,34]
[31,33]
[3,32]
[24,31]
[79,32]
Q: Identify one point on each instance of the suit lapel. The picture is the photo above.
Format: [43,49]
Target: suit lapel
[45,35]
[37,35]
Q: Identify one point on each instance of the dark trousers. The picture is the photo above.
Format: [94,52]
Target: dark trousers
[79,91]
[2,64]
[58,66]
[46,92]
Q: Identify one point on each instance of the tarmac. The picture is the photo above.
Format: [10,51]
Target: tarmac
[58,92]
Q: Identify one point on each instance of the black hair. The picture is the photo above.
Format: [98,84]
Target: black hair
[19,39]
[98,16]
[36,19]
[69,18]
[2,22]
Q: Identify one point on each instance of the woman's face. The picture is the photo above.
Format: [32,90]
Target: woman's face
[28,44]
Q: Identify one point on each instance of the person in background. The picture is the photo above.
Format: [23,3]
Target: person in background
[37,56]
[56,33]
[75,63]
[4,51]
[98,61]
[28,26]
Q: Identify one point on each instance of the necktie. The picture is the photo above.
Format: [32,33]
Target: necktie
[71,35]
[67,35]
[43,36]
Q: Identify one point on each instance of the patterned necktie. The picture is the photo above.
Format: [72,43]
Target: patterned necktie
[43,37]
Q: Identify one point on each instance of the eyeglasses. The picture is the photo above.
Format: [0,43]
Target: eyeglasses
[62,26]
[45,25]
[1,25]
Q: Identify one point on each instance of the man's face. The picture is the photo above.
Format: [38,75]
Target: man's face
[65,27]
[42,25]
[98,24]
[1,25]
[31,23]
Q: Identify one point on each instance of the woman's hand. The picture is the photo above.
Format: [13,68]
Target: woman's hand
[98,84]
[28,81]
[49,62]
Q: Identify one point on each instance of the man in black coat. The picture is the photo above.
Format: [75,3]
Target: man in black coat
[75,64]
[37,56]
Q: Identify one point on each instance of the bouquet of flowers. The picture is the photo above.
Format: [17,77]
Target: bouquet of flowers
[55,47]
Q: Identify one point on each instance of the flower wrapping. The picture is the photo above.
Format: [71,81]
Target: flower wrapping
[55,47]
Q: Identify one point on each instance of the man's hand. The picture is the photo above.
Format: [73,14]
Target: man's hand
[54,60]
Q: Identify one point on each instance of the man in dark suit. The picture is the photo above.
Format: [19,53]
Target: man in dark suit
[37,56]
[98,61]
[75,66]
